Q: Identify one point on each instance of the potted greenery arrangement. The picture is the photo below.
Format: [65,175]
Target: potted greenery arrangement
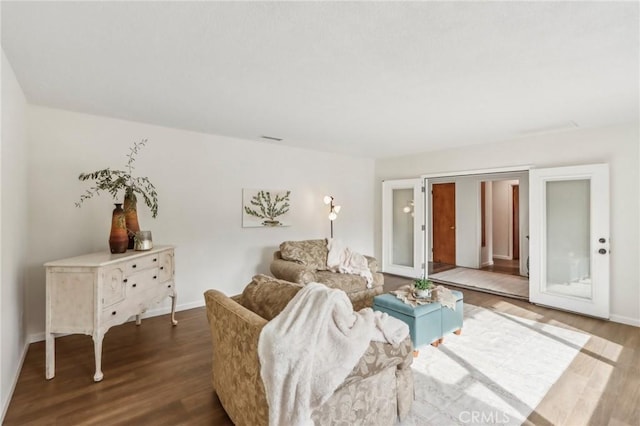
[117,181]
[423,287]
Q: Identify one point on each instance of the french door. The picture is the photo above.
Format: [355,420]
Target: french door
[569,246]
[402,220]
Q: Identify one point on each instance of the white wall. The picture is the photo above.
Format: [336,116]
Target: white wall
[502,209]
[486,252]
[616,145]
[468,236]
[199,179]
[13,230]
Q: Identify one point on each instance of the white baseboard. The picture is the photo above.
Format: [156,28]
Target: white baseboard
[14,382]
[39,337]
[167,309]
[625,320]
[501,256]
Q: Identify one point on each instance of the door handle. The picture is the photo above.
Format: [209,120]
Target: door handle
[602,251]
[453,227]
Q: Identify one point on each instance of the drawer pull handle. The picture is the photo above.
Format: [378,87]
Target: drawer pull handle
[134,266]
[162,268]
[113,313]
[155,276]
[169,286]
[155,259]
[134,285]
[125,280]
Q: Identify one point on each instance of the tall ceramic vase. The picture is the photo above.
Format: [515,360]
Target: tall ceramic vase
[118,239]
[131,217]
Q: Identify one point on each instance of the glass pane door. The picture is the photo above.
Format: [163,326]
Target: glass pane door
[569,224]
[402,219]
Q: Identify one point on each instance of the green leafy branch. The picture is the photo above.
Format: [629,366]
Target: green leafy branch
[267,207]
[115,181]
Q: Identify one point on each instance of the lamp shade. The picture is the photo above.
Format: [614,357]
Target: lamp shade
[327,199]
[332,215]
[336,209]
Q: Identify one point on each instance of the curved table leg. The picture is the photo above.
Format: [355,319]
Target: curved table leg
[173,308]
[97,347]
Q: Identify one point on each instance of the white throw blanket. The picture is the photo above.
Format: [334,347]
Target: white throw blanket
[342,259]
[309,349]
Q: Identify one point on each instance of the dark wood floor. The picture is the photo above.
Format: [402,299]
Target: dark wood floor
[504,266]
[435,267]
[154,374]
[157,374]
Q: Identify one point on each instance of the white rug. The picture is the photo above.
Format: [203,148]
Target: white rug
[495,373]
[495,282]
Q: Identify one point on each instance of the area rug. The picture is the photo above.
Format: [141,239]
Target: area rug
[495,373]
[494,282]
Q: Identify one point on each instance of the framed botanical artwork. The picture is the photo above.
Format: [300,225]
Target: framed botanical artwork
[265,208]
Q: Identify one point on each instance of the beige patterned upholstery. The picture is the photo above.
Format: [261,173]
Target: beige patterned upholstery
[377,391]
[311,253]
[267,296]
[305,261]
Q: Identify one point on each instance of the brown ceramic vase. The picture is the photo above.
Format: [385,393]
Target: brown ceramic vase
[131,218]
[118,239]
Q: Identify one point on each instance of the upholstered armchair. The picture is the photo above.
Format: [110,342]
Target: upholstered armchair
[379,390]
[305,261]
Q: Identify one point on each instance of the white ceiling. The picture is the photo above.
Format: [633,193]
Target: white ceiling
[365,78]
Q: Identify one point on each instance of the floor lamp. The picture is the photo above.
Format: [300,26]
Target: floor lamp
[333,210]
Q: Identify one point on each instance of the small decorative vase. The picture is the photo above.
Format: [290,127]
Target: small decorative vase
[271,222]
[131,217]
[143,241]
[118,239]
[423,294]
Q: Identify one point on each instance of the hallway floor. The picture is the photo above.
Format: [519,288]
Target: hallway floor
[504,266]
[490,283]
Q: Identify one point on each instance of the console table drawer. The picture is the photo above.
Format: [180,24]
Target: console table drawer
[142,263]
[143,280]
[115,314]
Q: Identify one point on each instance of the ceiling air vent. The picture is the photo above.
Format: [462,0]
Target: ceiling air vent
[271,138]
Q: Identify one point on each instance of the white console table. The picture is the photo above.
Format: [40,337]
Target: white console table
[90,294]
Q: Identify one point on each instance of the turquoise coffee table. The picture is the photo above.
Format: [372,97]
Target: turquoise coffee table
[427,323]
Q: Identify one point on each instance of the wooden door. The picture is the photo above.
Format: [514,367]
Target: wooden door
[516,221]
[444,223]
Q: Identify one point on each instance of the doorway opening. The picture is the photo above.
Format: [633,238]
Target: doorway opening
[478,227]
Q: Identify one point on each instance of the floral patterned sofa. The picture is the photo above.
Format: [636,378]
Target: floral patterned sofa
[305,261]
[378,391]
